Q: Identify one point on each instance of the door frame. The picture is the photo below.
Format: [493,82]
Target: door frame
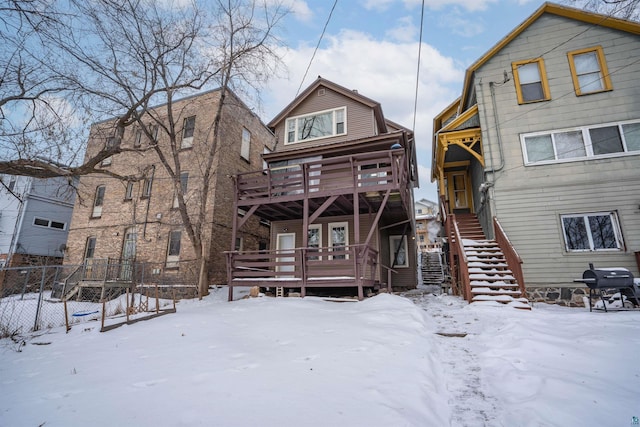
[449,176]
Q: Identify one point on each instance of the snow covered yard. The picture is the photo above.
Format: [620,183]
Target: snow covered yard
[308,362]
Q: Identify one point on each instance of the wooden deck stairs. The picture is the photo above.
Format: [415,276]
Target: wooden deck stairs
[432,268]
[490,277]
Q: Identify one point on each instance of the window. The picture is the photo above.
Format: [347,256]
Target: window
[323,124]
[128,193]
[238,245]
[265,165]
[173,250]
[90,248]
[398,252]
[187,132]
[531,81]
[111,142]
[12,183]
[597,231]
[585,142]
[146,187]
[137,139]
[42,222]
[338,238]
[154,130]
[98,201]
[314,240]
[184,182]
[589,71]
[245,147]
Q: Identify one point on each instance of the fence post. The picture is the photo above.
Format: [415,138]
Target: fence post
[39,306]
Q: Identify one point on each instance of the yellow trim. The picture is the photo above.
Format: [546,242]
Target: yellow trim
[462,163]
[451,192]
[465,139]
[604,71]
[554,9]
[542,73]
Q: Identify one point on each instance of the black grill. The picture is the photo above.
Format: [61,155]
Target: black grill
[598,279]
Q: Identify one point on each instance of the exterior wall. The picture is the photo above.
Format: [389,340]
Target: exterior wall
[528,200]
[154,217]
[360,119]
[23,241]
[295,226]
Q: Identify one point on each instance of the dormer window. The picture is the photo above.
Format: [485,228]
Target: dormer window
[323,124]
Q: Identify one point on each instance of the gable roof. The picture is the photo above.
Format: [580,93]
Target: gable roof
[352,94]
[554,9]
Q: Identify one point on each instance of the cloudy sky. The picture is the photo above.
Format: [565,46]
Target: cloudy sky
[372,46]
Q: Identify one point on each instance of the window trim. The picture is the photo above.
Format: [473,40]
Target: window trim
[405,244]
[88,246]
[319,228]
[617,230]
[245,144]
[98,202]
[187,141]
[543,80]
[604,71]
[147,188]
[330,227]
[173,260]
[315,113]
[50,223]
[128,192]
[586,138]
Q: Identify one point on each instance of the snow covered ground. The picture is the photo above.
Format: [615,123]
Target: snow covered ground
[414,360]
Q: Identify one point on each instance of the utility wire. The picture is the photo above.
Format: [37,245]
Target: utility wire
[415,102]
[317,46]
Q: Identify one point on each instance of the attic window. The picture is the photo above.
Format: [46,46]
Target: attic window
[322,124]
[321,92]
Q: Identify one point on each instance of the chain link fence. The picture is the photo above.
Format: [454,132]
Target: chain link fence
[42,297]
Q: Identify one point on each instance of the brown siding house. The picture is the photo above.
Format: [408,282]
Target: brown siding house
[338,192]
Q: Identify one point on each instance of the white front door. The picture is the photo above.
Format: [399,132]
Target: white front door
[285,245]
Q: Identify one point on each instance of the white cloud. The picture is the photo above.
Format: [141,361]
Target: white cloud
[468,5]
[300,10]
[459,24]
[405,30]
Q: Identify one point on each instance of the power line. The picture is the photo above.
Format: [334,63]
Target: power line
[415,102]
[317,46]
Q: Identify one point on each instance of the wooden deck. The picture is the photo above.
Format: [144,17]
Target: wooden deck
[347,266]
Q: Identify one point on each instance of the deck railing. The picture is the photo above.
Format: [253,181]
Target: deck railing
[513,259]
[353,265]
[374,171]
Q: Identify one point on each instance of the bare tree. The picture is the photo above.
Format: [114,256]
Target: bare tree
[625,9]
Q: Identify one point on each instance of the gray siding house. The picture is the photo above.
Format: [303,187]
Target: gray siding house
[543,148]
[34,220]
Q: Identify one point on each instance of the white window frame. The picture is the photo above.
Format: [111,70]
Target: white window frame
[330,228]
[187,140]
[392,251]
[173,259]
[184,184]
[614,223]
[49,224]
[245,146]
[98,202]
[295,120]
[586,139]
[319,228]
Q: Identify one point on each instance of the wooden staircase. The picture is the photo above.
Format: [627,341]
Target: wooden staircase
[432,268]
[490,278]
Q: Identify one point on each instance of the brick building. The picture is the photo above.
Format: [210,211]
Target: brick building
[139,220]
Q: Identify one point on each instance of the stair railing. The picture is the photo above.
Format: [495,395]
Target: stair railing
[510,254]
[463,265]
